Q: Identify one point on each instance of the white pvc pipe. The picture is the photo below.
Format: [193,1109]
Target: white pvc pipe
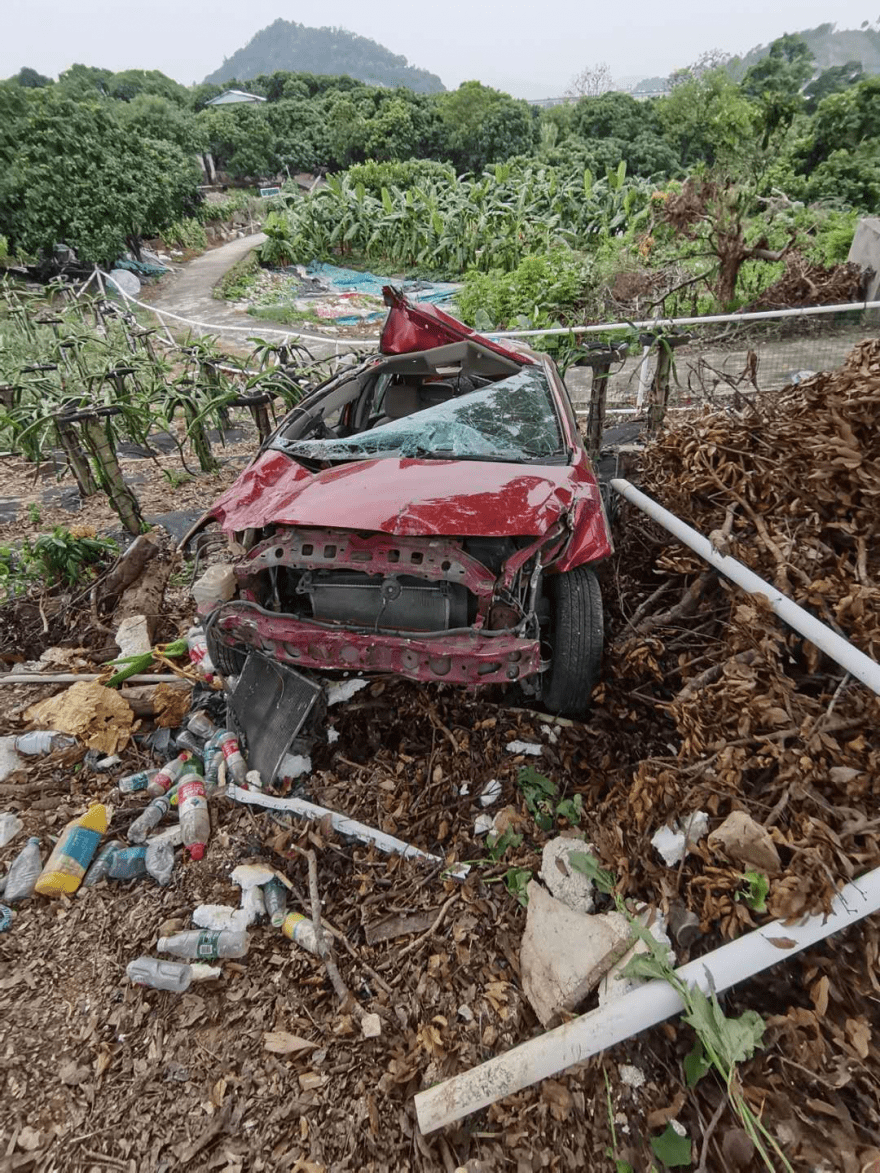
[632,1013]
[828,641]
[711,319]
[343,824]
[643,377]
[78,677]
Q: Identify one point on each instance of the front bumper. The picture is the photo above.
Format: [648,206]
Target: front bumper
[469,658]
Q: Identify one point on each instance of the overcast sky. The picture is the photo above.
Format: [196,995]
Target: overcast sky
[531,49]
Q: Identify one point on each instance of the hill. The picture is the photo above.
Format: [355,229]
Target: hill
[830,46]
[295,47]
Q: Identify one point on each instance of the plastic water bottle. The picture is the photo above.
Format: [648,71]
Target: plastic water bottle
[201,724]
[151,816]
[187,740]
[129,864]
[43,741]
[73,853]
[10,825]
[159,975]
[100,868]
[135,782]
[300,929]
[275,896]
[195,822]
[24,871]
[159,861]
[198,653]
[168,775]
[232,755]
[213,756]
[205,944]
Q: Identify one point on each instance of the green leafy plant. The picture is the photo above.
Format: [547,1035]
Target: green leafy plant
[672,1148]
[540,794]
[66,557]
[757,889]
[588,865]
[35,515]
[185,234]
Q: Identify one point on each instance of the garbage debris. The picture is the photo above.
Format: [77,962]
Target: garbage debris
[563,880]
[564,954]
[252,875]
[221,917]
[159,975]
[526,747]
[631,1076]
[217,585]
[483,824]
[100,867]
[73,852]
[371,1026]
[746,842]
[24,871]
[187,740]
[159,861]
[675,841]
[195,822]
[344,690]
[270,707]
[232,756]
[201,724]
[275,898]
[6,915]
[129,864]
[151,816]
[9,759]
[133,783]
[301,931]
[206,944]
[161,783]
[491,792]
[105,765]
[133,637]
[10,825]
[295,765]
[97,716]
[199,654]
[43,741]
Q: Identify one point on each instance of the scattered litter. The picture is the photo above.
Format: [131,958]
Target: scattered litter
[299,929]
[371,1026]
[10,825]
[195,821]
[9,759]
[151,816]
[105,765]
[274,901]
[159,975]
[221,917]
[201,972]
[73,852]
[24,871]
[205,944]
[252,875]
[631,1076]
[97,716]
[673,842]
[6,915]
[133,783]
[565,882]
[564,954]
[345,826]
[332,738]
[344,690]
[253,780]
[294,765]
[483,824]
[746,842]
[43,741]
[159,861]
[129,864]
[527,747]
[100,867]
[465,1013]
[491,792]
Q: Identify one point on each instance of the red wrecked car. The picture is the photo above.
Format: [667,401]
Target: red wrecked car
[430,513]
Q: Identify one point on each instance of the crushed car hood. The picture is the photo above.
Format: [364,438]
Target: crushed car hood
[410,327]
[401,496]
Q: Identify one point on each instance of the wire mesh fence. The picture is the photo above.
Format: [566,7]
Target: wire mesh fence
[724,357]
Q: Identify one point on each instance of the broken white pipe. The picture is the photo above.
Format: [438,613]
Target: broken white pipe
[629,1015]
[643,377]
[811,628]
[76,677]
[344,825]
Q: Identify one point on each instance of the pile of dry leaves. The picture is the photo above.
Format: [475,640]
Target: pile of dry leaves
[806,283]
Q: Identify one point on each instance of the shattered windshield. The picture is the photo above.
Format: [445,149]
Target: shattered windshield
[512,420]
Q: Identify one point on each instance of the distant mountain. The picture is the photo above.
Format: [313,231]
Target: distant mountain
[830,46]
[295,47]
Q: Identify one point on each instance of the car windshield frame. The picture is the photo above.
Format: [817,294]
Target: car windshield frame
[513,420]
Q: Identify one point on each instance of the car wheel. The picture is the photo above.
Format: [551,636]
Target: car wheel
[575,637]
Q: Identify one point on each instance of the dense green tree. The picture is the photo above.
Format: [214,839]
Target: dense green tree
[199,95]
[81,178]
[150,116]
[775,82]
[842,122]
[708,120]
[849,177]
[482,125]
[31,79]
[131,82]
[13,113]
[832,81]
[85,79]
[614,115]
[240,139]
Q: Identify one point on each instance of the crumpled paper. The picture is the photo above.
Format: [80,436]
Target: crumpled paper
[97,716]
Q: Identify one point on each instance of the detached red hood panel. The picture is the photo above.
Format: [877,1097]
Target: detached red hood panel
[409,328]
[407,497]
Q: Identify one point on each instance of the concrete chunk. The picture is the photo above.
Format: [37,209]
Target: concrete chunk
[564,953]
[564,881]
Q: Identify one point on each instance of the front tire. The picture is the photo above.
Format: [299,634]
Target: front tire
[576,636]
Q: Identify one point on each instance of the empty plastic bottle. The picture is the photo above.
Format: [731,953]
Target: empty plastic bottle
[24,871]
[205,944]
[213,758]
[100,868]
[168,775]
[232,755]
[135,782]
[151,816]
[10,825]
[73,853]
[300,929]
[129,864]
[43,741]
[187,740]
[159,861]
[195,822]
[275,896]
[201,724]
[159,975]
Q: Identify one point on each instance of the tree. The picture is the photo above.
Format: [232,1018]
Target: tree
[832,81]
[79,177]
[240,138]
[85,78]
[31,79]
[775,82]
[592,81]
[150,116]
[482,125]
[131,82]
[708,120]
[614,115]
[842,122]
[708,62]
